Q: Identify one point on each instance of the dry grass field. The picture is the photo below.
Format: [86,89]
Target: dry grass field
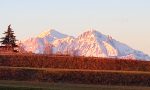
[43,72]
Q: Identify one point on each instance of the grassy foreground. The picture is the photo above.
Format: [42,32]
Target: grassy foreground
[28,85]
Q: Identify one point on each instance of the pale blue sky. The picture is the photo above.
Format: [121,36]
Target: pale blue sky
[125,20]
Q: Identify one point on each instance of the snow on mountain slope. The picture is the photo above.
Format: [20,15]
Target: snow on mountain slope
[63,45]
[90,43]
[51,34]
[37,44]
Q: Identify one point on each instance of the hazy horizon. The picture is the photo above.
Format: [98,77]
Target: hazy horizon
[126,21]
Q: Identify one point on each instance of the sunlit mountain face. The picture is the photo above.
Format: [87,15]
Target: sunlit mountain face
[90,43]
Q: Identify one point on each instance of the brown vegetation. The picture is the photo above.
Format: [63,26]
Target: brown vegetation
[69,62]
[79,77]
[69,69]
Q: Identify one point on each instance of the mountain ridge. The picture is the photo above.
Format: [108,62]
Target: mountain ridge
[90,43]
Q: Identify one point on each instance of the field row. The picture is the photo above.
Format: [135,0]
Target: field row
[76,76]
[68,62]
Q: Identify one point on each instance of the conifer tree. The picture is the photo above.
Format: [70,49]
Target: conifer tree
[9,40]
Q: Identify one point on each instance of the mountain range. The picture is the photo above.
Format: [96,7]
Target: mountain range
[90,44]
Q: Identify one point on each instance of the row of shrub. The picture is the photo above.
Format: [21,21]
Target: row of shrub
[69,62]
[79,77]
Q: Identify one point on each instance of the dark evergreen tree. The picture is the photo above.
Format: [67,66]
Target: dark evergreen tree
[9,40]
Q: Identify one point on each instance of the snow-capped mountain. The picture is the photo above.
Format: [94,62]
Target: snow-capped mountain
[90,43]
[37,44]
